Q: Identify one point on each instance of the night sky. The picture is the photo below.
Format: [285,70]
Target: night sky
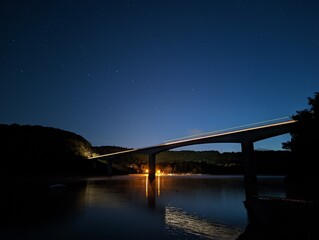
[137,73]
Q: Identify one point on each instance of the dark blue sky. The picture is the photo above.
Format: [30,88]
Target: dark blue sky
[136,73]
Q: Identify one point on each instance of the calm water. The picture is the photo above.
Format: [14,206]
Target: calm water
[129,207]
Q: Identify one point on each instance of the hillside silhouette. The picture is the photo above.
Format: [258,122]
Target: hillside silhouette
[36,151]
[45,151]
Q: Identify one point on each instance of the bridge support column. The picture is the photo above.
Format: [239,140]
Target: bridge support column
[93,166]
[109,168]
[250,173]
[151,167]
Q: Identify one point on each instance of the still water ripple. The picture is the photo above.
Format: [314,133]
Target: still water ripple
[128,207]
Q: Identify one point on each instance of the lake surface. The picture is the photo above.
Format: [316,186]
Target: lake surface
[129,207]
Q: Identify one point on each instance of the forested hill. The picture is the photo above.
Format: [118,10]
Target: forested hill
[37,150]
[214,162]
[46,151]
[209,162]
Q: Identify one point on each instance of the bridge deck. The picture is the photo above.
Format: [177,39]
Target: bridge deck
[245,133]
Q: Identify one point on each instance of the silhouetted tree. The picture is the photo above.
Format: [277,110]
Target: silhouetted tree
[303,179]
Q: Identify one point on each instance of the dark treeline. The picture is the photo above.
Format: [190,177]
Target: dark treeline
[45,151]
[214,162]
[204,162]
[121,165]
[36,150]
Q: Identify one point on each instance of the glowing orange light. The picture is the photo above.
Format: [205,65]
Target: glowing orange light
[146,170]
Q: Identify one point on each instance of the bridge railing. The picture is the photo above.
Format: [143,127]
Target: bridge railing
[232,129]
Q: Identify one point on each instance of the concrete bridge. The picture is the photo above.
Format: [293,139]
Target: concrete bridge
[245,135]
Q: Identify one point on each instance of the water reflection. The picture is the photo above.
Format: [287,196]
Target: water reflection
[152,188]
[210,206]
[27,203]
[210,197]
[178,220]
[125,207]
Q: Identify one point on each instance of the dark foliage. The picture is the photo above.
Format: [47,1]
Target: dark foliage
[303,179]
[272,162]
[120,165]
[36,150]
[214,162]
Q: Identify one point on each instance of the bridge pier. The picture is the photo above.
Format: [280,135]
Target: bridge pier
[250,173]
[109,168]
[93,166]
[151,167]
